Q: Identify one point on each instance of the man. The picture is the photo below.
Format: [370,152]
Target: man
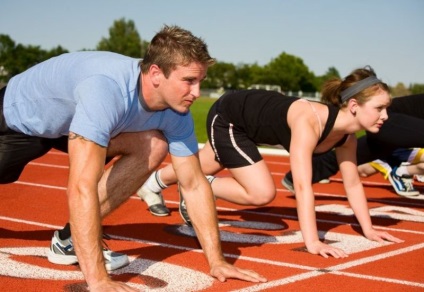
[101,105]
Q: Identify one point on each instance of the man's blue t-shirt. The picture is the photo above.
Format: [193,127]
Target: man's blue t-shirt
[93,94]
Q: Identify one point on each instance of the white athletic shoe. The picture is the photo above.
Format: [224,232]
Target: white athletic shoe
[62,252]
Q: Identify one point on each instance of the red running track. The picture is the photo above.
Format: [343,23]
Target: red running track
[165,255]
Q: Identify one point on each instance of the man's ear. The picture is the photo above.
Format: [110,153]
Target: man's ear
[156,74]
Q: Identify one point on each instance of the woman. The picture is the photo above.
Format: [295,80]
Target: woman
[403,129]
[241,120]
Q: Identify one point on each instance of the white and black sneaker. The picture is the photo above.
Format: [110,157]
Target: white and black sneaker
[62,252]
[288,184]
[403,185]
[183,208]
[154,201]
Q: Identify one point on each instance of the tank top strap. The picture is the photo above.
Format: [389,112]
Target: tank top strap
[316,115]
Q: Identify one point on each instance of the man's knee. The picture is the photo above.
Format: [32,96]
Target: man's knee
[158,143]
[150,143]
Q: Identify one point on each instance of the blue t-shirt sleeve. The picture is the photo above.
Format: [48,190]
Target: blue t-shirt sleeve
[180,134]
[100,107]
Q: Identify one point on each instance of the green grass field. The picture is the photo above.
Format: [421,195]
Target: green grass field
[199,111]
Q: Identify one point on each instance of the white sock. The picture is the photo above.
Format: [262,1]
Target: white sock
[402,170]
[154,183]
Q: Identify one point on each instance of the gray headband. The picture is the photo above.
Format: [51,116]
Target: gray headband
[358,87]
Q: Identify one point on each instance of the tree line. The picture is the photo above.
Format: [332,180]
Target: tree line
[287,71]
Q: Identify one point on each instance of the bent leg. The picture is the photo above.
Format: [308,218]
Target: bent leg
[207,162]
[250,185]
[139,155]
[16,151]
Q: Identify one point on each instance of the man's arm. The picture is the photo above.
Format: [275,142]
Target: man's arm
[202,211]
[86,168]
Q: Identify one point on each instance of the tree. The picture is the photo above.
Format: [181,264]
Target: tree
[123,39]
[7,45]
[290,73]
[331,73]
[416,88]
[221,75]
[399,90]
[244,75]
[16,58]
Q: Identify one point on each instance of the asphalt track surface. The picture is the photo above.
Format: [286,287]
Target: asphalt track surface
[165,255]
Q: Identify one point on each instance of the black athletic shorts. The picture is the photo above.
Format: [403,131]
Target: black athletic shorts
[231,145]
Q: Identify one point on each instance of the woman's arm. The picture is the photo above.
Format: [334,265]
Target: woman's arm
[304,138]
[346,157]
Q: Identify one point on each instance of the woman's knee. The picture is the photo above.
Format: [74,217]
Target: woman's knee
[261,197]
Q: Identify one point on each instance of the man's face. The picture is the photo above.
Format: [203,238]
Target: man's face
[182,87]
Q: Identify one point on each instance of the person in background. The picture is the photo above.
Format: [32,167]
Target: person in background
[98,106]
[399,168]
[241,120]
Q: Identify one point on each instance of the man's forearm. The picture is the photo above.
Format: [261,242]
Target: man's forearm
[86,236]
[205,224]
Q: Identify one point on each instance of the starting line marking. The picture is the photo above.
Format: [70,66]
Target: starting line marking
[163,271]
[337,270]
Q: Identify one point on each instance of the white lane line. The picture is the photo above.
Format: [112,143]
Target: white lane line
[40,185]
[266,214]
[313,272]
[141,241]
[337,270]
[414,201]
[49,165]
[45,225]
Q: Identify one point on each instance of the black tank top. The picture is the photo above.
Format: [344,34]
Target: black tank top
[262,115]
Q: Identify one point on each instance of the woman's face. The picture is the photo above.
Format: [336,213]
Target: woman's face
[373,113]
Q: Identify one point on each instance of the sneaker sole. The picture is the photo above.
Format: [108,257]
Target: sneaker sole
[159,214]
[72,260]
[159,210]
[117,264]
[60,259]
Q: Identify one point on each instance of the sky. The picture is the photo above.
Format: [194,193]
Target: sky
[388,35]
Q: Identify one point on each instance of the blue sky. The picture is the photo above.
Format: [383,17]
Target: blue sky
[346,34]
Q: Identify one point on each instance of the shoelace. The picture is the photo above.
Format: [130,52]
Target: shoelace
[407,182]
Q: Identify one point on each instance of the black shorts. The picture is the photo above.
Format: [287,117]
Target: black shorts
[17,149]
[231,145]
